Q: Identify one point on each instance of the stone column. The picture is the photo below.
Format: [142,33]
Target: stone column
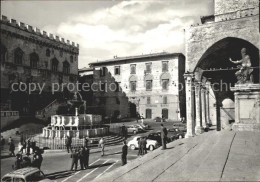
[189,105]
[198,129]
[207,103]
[203,108]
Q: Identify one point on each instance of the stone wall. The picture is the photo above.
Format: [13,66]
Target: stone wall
[231,9]
[200,38]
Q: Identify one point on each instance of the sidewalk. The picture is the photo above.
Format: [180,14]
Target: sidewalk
[212,156]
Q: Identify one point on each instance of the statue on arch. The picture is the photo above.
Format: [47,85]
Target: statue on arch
[244,74]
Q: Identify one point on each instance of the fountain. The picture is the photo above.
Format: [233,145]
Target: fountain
[74,123]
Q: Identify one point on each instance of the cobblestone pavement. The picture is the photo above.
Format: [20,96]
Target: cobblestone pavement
[211,156]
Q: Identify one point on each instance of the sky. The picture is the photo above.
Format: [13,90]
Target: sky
[105,29]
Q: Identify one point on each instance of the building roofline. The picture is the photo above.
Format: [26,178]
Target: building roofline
[128,58]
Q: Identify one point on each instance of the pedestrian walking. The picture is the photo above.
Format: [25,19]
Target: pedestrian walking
[86,141]
[102,145]
[163,136]
[12,148]
[75,158]
[86,158]
[82,157]
[68,143]
[37,159]
[124,153]
[124,131]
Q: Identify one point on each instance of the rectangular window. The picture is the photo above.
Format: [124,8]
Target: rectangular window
[148,67]
[133,86]
[165,84]
[103,71]
[148,100]
[165,66]
[117,70]
[165,100]
[133,68]
[149,84]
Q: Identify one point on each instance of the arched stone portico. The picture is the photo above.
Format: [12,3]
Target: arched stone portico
[208,49]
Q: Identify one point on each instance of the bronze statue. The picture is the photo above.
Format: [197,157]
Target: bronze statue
[244,74]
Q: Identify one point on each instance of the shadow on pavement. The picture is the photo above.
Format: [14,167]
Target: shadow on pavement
[102,165]
[60,174]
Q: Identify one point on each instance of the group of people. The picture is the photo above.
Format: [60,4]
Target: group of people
[142,146]
[25,161]
[81,155]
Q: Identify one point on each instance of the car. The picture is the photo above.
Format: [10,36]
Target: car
[133,129]
[180,126]
[27,174]
[174,134]
[158,119]
[155,136]
[151,144]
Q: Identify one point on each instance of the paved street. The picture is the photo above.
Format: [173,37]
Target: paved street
[56,164]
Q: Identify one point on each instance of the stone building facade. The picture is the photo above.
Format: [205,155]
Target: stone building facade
[149,85]
[29,55]
[209,71]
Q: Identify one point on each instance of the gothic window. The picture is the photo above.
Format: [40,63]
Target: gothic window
[133,68]
[165,84]
[54,65]
[148,84]
[34,59]
[18,56]
[117,70]
[66,67]
[3,52]
[165,66]
[48,52]
[165,100]
[148,67]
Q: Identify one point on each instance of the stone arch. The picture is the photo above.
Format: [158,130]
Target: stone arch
[148,77]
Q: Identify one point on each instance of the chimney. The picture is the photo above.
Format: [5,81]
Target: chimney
[38,31]
[30,28]
[13,22]
[22,25]
[57,38]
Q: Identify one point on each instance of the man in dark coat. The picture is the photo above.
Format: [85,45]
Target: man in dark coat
[86,157]
[28,147]
[75,158]
[11,148]
[144,145]
[68,144]
[82,155]
[124,153]
[139,140]
[163,136]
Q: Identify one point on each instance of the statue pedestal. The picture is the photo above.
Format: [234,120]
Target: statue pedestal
[247,107]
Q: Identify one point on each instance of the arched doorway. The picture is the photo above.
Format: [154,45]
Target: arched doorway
[215,68]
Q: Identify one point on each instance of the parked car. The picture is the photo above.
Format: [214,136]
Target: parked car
[133,129]
[151,144]
[174,134]
[145,126]
[155,136]
[180,126]
[158,119]
[27,174]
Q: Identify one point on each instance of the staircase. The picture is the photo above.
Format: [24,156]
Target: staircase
[48,111]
